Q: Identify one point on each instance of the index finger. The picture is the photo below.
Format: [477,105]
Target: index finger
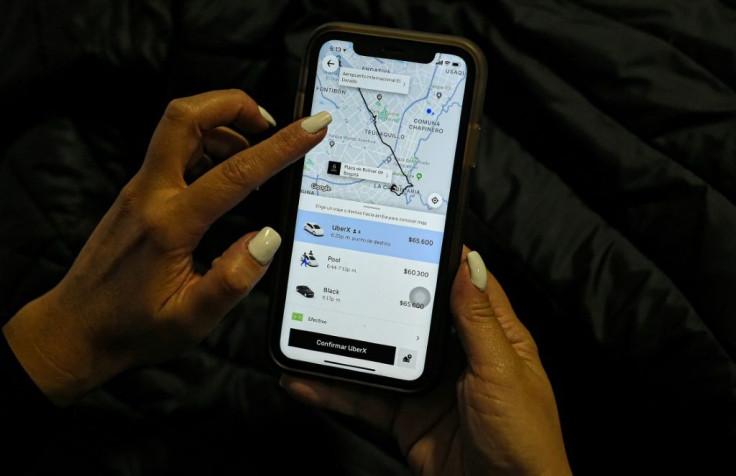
[178,135]
[221,188]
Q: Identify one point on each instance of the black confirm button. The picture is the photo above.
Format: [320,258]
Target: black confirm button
[357,349]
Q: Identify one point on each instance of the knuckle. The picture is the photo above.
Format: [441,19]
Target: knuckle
[287,144]
[155,227]
[128,198]
[240,171]
[180,110]
[238,94]
[233,282]
[145,219]
[479,312]
[152,219]
[533,348]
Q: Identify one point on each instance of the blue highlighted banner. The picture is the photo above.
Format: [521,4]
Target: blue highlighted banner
[370,237]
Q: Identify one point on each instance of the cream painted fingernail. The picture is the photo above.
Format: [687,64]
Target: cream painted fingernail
[263,246]
[267,116]
[478,273]
[317,122]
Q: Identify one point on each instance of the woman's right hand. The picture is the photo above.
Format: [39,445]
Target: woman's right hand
[132,296]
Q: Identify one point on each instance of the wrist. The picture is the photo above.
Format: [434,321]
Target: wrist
[52,350]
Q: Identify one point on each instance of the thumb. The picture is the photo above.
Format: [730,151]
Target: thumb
[231,278]
[485,322]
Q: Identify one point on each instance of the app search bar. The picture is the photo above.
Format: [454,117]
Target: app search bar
[374,80]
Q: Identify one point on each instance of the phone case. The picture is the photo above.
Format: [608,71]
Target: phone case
[477,96]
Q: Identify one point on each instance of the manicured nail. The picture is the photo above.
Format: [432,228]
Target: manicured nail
[478,274]
[317,122]
[263,246]
[267,116]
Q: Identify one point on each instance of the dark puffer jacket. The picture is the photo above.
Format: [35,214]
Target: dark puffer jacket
[603,200]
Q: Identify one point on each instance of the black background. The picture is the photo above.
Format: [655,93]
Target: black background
[602,201]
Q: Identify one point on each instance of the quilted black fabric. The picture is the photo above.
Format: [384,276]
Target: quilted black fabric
[603,200]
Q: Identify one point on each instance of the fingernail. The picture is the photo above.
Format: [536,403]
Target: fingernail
[263,246]
[317,122]
[267,116]
[478,273]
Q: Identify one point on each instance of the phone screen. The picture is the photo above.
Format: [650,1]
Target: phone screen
[364,263]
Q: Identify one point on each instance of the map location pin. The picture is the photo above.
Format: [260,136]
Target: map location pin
[439,95]
[379,96]
[332,143]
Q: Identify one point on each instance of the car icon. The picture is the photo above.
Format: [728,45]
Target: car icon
[314,229]
[305,291]
[309,260]
[312,261]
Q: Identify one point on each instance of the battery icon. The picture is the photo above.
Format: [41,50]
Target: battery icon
[456,64]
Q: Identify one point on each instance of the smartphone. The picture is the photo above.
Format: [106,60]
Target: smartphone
[371,236]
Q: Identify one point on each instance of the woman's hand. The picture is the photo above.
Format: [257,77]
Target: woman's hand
[498,417]
[132,295]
